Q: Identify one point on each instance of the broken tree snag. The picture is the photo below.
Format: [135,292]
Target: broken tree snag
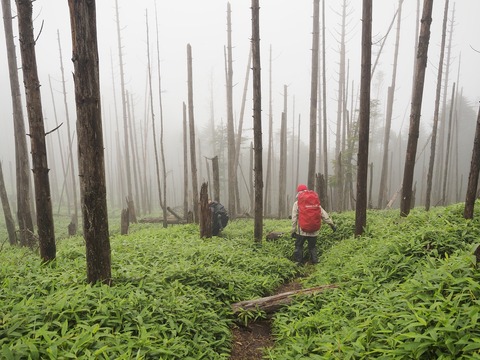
[272,303]
[124,221]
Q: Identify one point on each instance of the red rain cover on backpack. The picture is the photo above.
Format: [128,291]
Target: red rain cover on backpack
[309,211]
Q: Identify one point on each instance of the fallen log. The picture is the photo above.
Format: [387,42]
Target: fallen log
[272,303]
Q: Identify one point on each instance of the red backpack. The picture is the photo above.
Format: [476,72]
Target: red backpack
[309,211]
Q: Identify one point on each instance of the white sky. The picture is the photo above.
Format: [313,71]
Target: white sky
[284,25]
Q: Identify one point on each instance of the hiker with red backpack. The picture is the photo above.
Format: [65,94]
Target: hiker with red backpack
[307,217]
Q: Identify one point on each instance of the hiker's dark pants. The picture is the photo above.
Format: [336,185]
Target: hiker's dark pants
[312,250]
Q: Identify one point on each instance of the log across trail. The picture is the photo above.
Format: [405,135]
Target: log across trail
[272,303]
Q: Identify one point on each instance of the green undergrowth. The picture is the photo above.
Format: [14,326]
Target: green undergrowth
[170,297]
[408,289]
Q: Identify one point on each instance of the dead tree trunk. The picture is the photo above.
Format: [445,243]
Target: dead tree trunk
[132,146]
[436,110]
[282,176]
[364,119]
[191,121]
[230,127]
[417,96]
[268,178]
[257,122]
[70,138]
[6,211]
[43,202]
[447,150]
[185,163]
[124,222]
[216,179]
[326,200]
[205,213]
[24,213]
[382,193]
[131,204]
[312,152]
[91,163]
[474,172]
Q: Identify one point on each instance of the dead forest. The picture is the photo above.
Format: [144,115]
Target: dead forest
[363,135]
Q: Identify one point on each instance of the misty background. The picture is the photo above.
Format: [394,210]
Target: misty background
[286,28]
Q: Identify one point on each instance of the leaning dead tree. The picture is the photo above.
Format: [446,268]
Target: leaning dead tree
[257,122]
[43,200]
[91,159]
[24,214]
[417,96]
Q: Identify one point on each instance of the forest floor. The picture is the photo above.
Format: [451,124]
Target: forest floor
[248,342]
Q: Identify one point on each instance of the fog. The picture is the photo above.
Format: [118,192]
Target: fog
[285,26]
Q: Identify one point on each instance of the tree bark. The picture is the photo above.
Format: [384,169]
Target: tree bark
[435,112]
[326,200]
[447,150]
[24,213]
[417,96]
[474,172]
[312,152]
[185,162]
[268,177]
[282,176]
[205,213]
[91,163]
[257,122]
[43,202]
[364,119]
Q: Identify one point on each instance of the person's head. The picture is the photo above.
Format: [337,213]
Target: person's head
[301,187]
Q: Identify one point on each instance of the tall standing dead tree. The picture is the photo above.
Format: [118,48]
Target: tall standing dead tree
[364,119]
[257,122]
[474,172]
[91,159]
[43,201]
[417,96]
[312,152]
[6,210]
[24,214]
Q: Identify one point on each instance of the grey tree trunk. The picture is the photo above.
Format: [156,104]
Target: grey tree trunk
[268,178]
[436,111]
[12,238]
[383,190]
[257,122]
[130,202]
[417,96]
[185,162]
[447,150]
[22,166]
[282,176]
[43,201]
[91,163]
[364,119]
[154,133]
[205,213]
[312,152]
[70,139]
[191,121]
[326,199]
[474,172]
[230,127]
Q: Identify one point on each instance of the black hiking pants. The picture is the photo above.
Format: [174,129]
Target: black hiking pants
[312,249]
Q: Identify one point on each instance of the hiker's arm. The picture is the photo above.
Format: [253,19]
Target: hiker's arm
[294,217]
[326,218]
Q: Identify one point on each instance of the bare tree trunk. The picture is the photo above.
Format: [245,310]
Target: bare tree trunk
[364,119]
[250,177]
[192,134]
[447,150]
[12,238]
[416,108]
[282,176]
[230,127]
[268,179]
[185,162]
[131,125]
[312,153]
[216,179]
[157,166]
[131,204]
[162,151]
[91,163]
[257,122]
[298,151]
[70,138]
[43,202]
[24,214]
[325,200]
[139,188]
[382,193]
[474,172]
[436,110]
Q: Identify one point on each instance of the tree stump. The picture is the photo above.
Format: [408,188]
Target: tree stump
[124,222]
